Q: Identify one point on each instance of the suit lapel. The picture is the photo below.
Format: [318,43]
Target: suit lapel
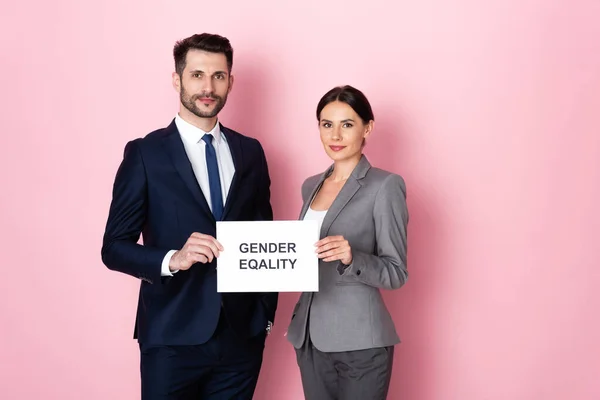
[346,193]
[352,185]
[235,146]
[313,192]
[179,158]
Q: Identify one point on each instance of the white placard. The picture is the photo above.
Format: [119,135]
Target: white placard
[268,256]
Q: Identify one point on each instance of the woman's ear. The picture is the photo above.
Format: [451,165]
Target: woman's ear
[368,129]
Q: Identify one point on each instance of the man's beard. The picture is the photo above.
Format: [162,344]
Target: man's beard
[190,103]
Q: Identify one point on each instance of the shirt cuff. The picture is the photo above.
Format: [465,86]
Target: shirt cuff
[164,270]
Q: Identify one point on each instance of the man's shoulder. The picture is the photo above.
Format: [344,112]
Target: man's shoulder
[245,140]
[153,138]
[160,133]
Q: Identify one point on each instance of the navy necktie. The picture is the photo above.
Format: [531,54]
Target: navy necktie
[214,180]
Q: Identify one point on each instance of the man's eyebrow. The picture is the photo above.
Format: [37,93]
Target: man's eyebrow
[199,71]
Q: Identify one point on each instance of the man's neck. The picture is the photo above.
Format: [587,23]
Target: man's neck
[205,124]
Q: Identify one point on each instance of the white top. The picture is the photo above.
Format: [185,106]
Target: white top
[313,215]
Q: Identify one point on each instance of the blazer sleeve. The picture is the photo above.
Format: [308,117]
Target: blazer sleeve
[264,212]
[387,269]
[127,215]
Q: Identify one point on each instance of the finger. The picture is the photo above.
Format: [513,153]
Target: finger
[331,253]
[323,241]
[338,257]
[203,236]
[191,258]
[328,246]
[201,250]
[341,244]
[199,258]
[196,244]
[212,246]
[208,252]
[215,242]
[329,239]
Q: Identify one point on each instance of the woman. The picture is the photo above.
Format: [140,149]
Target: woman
[344,335]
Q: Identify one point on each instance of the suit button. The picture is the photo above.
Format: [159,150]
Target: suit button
[358,272]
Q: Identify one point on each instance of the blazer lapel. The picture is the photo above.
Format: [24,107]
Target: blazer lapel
[352,185]
[348,191]
[174,146]
[235,146]
[313,192]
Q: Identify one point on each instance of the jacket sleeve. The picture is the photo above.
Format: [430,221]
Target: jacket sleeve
[386,269]
[127,214]
[264,212]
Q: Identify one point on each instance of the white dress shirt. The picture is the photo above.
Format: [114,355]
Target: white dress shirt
[196,153]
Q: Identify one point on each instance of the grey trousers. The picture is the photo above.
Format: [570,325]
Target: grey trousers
[347,375]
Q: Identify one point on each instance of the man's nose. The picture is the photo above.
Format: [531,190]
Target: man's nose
[207,85]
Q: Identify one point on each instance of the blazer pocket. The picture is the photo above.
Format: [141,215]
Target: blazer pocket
[349,283]
[295,309]
[347,280]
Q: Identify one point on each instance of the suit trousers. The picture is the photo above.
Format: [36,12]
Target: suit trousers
[224,368]
[346,375]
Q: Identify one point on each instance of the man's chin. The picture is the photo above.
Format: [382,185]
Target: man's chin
[205,113]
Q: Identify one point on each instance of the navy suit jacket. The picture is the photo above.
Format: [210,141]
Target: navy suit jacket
[156,195]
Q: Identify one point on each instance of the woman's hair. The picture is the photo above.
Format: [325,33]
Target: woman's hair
[351,96]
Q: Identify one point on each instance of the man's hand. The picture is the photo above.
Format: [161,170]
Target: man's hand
[334,248]
[198,248]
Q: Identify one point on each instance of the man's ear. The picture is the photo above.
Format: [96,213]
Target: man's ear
[176,82]
[231,79]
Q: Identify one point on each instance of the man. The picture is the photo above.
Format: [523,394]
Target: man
[171,187]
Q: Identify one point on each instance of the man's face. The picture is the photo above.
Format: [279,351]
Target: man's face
[204,84]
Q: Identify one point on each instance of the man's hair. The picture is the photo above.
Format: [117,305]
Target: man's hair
[205,42]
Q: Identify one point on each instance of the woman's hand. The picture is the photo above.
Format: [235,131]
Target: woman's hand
[334,248]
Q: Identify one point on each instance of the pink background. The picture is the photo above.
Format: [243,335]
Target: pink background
[489,109]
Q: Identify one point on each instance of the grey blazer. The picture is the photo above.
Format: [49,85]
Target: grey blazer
[348,312]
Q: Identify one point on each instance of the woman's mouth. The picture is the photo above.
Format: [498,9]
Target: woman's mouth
[337,148]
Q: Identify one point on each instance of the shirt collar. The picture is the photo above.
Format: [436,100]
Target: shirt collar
[194,134]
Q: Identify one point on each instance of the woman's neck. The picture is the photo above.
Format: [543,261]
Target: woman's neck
[343,169]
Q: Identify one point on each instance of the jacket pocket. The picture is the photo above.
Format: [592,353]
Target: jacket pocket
[295,309]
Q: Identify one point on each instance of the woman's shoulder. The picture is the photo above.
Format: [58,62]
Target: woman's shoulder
[312,180]
[383,179]
[309,184]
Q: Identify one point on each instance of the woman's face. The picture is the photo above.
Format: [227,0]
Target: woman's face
[342,131]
